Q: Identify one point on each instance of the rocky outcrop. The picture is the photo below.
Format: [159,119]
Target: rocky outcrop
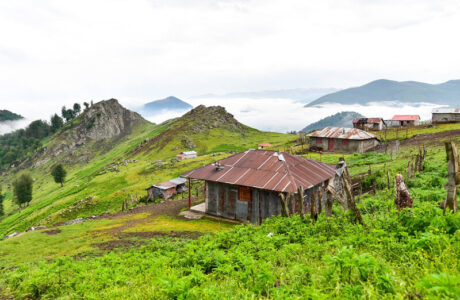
[97,128]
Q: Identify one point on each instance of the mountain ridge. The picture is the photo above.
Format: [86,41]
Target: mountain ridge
[168,103]
[446,93]
[340,119]
[6,115]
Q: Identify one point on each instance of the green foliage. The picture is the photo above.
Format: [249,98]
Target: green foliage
[2,197]
[6,115]
[22,188]
[56,123]
[59,174]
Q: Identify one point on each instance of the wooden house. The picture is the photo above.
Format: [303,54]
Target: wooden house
[376,124]
[166,190]
[340,139]
[247,185]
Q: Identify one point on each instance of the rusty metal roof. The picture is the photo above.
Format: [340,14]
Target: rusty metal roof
[263,169]
[368,120]
[405,117]
[342,133]
[446,111]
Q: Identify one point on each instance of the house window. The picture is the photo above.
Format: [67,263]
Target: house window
[345,142]
[244,193]
[318,141]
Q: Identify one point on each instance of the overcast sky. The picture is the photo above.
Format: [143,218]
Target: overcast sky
[58,52]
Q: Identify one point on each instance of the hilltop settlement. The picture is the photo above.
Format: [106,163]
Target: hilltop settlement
[101,203]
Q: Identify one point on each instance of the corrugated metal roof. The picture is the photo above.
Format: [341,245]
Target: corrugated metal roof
[170,184]
[446,111]
[368,120]
[263,169]
[405,117]
[189,152]
[342,133]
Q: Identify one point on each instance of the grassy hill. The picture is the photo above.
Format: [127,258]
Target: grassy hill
[341,119]
[112,154]
[447,93]
[395,255]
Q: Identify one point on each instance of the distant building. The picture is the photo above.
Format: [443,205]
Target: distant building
[446,115]
[369,123]
[405,120]
[265,145]
[186,155]
[166,189]
[247,186]
[342,139]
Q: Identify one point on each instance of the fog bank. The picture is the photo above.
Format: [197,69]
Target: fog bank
[282,115]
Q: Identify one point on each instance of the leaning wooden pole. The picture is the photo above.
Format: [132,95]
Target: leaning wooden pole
[453,177]
[301,202]
[189,194]
[350,197]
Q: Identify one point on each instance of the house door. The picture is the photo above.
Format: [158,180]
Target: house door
[331,144]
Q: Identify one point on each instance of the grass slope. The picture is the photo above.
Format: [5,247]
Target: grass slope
[408,255]
[110,185]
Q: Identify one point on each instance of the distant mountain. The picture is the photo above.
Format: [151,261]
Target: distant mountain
[170,103]
[447,93]
[304,95]
[341,119]
[6,115]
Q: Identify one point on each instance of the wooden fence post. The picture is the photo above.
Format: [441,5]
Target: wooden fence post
[301,200]
[284,206]
[402,198]
[313,211]
[453,177]
[388,179]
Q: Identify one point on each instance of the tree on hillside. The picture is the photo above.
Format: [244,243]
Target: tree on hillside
[22,189]
[37,129]
[86,104]
[59,174]
[1,202]
[67,114]
[76,109]
[56,123]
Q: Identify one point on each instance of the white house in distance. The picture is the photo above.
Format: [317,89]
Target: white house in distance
[186,155]
[446,115]
[405,120]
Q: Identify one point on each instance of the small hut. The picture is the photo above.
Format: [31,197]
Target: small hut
[265,145]
[166,190]
[369,123]
[186,155]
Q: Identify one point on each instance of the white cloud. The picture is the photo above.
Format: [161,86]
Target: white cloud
[283,115]
[57,52]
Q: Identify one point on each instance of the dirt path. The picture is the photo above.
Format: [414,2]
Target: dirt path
[431,138]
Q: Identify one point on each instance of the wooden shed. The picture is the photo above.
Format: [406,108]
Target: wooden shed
[247,185]
[167,189]
[369,123]
[186,155]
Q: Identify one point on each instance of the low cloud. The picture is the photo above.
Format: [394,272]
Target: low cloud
[10,126]
[283,115]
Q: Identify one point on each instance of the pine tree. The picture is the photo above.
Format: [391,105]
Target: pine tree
[76,109]
[22,188]
[59,174]
[56,123]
